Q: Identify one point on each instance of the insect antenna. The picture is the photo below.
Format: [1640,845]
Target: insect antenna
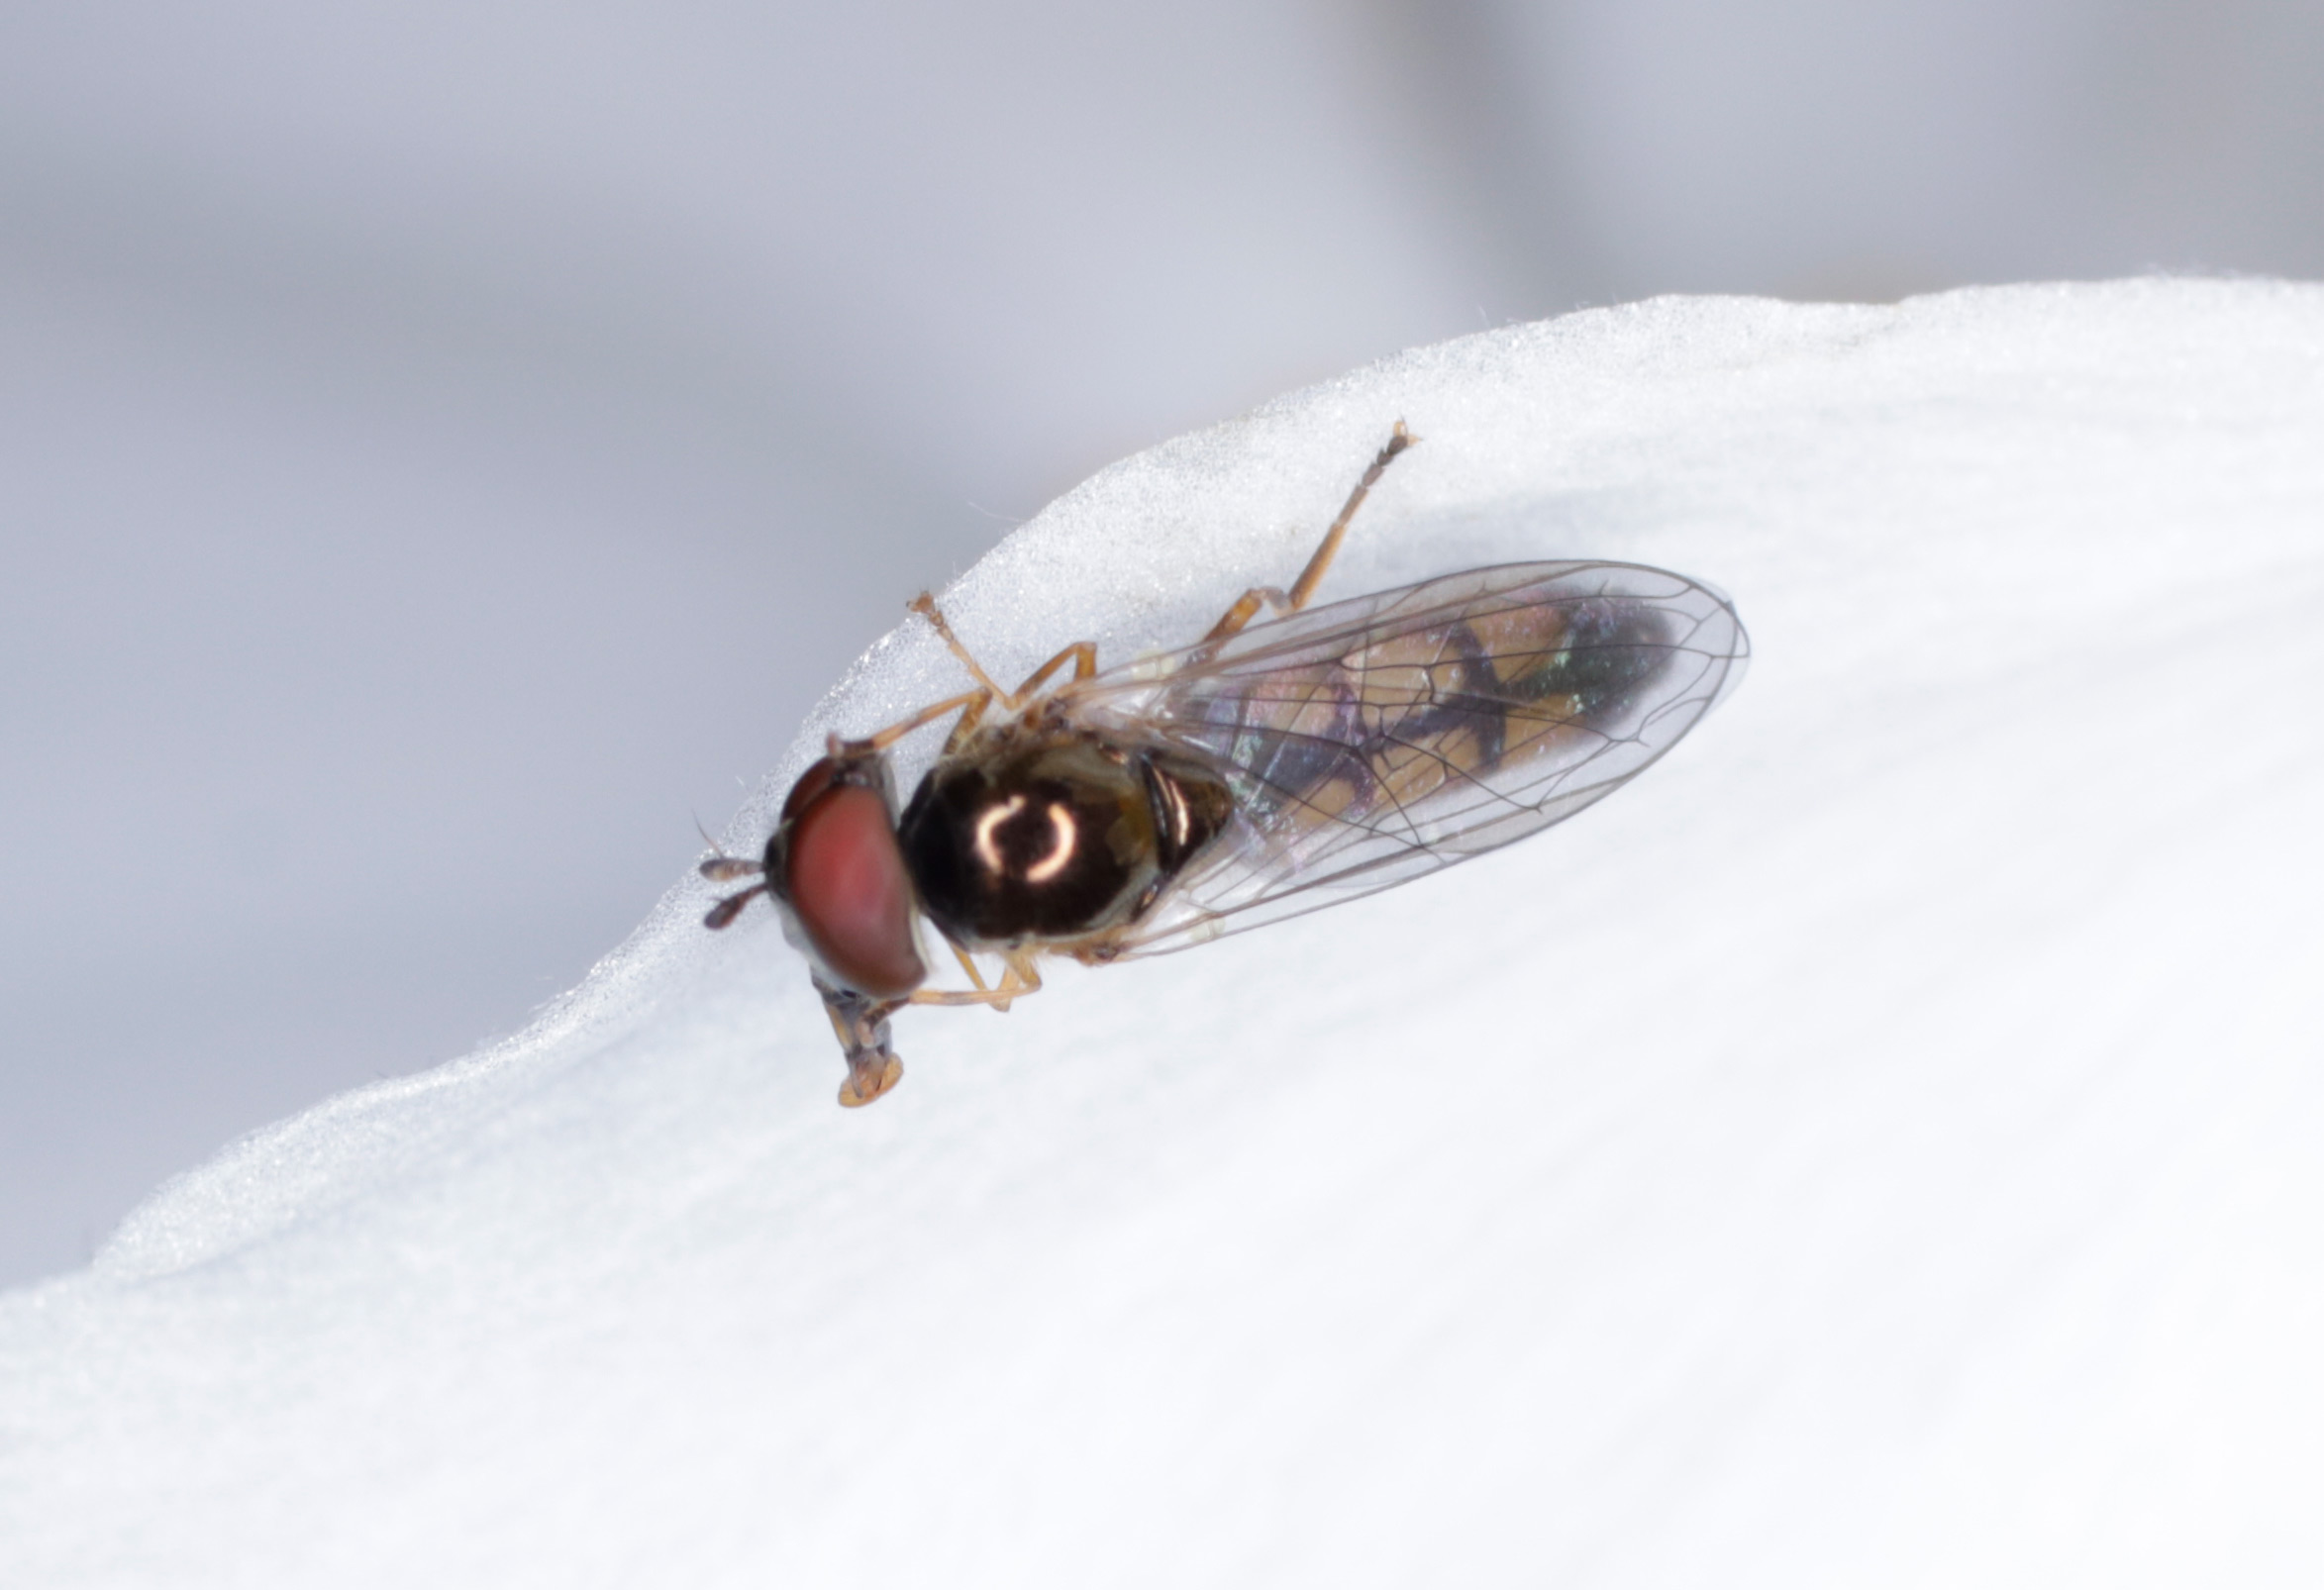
[731,907]
[722,868]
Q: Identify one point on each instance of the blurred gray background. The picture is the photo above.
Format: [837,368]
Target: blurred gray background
[446,447]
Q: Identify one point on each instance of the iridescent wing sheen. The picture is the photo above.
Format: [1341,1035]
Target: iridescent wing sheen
[1374,739]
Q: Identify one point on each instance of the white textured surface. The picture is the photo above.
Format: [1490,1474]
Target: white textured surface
[1875,1148]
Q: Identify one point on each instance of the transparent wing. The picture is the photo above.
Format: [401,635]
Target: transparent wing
[1374,739]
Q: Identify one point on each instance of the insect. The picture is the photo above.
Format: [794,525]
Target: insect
[1268,770]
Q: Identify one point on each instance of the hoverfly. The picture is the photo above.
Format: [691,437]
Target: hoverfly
[1265,770]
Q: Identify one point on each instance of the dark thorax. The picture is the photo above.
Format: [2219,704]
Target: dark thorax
[1048,834]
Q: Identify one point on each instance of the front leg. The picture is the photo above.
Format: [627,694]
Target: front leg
[969,705]
[1082,655]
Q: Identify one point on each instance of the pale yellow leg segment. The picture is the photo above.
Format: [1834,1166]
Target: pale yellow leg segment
[1245,609]
[971,706]
[966,964]
[925,605]
[1019,977]
[1248,606]
[1081,653]
[997,997]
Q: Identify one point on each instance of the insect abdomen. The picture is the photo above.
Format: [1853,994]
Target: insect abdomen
[1394,722]
[1602,655]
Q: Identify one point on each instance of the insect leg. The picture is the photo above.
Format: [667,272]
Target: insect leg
[1312,576]
[728,908]
[1247,608]
[1019,975]
[1019,965]
[1009,978]
[925,605]
[997,998]
[1018,978]
[722,868]
[1081,653]
[969,705]
[967,965]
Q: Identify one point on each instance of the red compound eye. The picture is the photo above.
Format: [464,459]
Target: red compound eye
[846,883]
